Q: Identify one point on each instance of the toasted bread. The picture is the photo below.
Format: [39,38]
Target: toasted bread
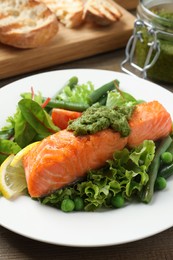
[103,12]
[26,23]
[68,12]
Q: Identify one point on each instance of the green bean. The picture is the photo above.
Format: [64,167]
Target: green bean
[102,91]
[166,171]
[170,148]
[147,193]
[102,100]
[67,105]
[71,83]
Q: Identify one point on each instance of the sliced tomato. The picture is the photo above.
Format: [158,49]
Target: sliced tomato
[61,117]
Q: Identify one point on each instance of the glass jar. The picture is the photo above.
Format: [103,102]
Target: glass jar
[149,51]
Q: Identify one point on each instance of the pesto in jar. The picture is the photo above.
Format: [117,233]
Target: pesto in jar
[162,70]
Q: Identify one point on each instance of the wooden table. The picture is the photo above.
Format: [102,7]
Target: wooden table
[13,246]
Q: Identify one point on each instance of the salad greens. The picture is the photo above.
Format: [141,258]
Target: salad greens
[121,99]
[32,122]
[7,147]
[128,176]
[74,92]
[37,117]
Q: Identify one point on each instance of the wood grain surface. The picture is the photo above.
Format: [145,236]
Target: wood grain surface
[68,45]
[15,247]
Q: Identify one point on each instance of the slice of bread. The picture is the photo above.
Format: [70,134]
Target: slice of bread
[68,12]
[103,12]
[26,23]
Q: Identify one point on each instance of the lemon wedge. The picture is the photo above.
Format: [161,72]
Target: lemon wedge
[12,175]
[12,179]
[17,160]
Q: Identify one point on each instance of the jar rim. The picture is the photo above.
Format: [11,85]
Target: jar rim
[154,15]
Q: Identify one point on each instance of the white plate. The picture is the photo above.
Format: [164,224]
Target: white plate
[28,218]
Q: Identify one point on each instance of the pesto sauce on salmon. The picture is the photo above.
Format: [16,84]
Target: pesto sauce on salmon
[97,118]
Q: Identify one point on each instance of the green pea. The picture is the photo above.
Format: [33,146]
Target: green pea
[167,157]
[67,205]
[79,203]
[118,201]
[160,183]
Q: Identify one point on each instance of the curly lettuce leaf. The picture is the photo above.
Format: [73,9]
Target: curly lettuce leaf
[77,94]
[143,154]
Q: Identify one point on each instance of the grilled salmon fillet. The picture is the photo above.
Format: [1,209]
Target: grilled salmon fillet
[62,158]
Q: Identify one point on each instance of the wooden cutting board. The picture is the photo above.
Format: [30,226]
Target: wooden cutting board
[128,4]
[68,45]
